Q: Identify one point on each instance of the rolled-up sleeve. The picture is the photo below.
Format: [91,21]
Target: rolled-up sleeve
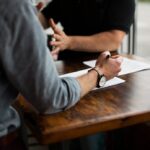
[29,65]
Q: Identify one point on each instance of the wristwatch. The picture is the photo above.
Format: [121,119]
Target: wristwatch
[101,79]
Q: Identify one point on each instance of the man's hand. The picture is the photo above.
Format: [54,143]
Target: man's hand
[61,42]
[111,66]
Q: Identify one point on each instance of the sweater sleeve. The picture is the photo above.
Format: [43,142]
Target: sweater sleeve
[29,65]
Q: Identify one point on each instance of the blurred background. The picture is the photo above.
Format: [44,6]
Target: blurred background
[143,28]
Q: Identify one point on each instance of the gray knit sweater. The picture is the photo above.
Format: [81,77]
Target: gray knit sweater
[26,66]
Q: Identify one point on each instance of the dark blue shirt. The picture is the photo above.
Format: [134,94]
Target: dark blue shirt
[86,17]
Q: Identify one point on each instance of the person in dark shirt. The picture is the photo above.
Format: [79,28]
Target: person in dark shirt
[89,25]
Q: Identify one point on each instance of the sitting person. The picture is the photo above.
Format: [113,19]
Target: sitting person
[27,67]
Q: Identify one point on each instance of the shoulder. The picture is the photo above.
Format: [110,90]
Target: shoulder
[9,7]
[13,10]
[14,16]
[13,4]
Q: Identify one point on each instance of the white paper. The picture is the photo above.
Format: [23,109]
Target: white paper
[111,82]
[75,74]
[128,65]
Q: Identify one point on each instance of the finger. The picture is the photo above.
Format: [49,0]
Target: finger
[52,23]
[55,56]
[57,37]
[101,59]
[106,54]
[55,43]
[115,56]
[55,28]
[120,59]
[55,51]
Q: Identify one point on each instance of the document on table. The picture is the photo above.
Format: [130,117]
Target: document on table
[128,66]
[111,82]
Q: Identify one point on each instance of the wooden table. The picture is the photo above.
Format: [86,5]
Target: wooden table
[101,110]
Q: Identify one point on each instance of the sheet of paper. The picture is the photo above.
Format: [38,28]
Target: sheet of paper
[128,65]
[111,82]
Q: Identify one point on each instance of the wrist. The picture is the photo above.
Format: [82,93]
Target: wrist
[101,79]
[70,42]
[93,77]
[87,82]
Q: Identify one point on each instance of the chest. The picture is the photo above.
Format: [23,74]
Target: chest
[82,7]
[82,16]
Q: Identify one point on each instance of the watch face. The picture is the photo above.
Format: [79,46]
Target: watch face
[102,81]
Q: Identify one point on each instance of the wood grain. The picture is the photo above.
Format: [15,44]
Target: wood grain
[100,110]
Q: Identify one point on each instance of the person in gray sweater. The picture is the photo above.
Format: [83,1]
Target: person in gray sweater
[27,67]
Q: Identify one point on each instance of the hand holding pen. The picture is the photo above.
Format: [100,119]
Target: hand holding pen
[109,65]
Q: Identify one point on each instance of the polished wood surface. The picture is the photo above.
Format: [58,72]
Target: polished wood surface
[101,110]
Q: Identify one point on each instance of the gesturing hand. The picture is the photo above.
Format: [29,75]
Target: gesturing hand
[61,39]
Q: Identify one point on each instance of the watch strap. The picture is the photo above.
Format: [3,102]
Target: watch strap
[99,76]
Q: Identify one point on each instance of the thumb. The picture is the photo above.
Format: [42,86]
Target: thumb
[52,23]
[102,58]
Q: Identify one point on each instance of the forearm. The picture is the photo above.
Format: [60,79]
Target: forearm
[87,82]
[99,42]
